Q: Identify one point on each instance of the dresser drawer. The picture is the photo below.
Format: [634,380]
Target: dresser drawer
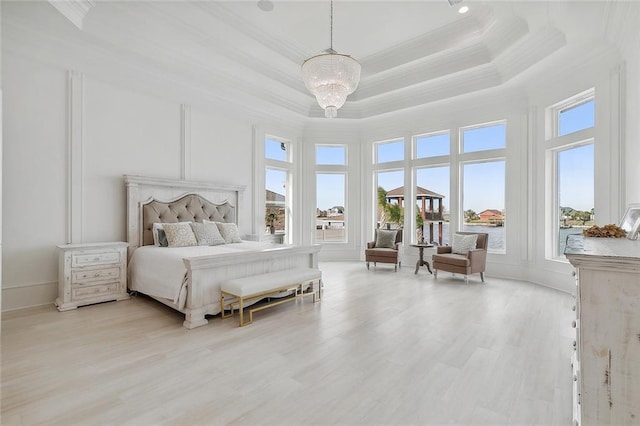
[90,276]
[96,258]
[91,273]
[83,292]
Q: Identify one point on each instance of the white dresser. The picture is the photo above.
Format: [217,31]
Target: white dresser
[91,273]
[606,362]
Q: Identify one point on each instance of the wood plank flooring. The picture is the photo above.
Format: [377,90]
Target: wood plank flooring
[380,348]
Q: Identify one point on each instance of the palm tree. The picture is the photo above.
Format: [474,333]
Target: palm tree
[396,214]
[382,206]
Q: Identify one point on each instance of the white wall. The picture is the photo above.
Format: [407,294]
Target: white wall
[221,151]
[34,179]
[119,131]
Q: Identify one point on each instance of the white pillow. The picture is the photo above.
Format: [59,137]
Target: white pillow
[463,243]
[180,235]
[229,232]
[207,233]
[385,238]
[159,238]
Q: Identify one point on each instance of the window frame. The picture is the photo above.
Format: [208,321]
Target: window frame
[332,169]
[555,143]
[286,166]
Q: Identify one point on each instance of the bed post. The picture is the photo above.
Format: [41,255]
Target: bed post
[133,216]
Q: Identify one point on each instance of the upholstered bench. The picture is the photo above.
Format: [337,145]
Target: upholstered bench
[246,289]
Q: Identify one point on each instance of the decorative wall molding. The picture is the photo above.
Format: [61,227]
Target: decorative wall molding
[75,159]
[185,141]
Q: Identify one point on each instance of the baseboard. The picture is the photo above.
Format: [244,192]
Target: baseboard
[27,296]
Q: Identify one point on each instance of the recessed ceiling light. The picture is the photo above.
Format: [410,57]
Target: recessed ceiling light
[265,5]
[463,9]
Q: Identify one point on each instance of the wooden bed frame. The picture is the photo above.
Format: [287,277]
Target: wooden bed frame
[205,274]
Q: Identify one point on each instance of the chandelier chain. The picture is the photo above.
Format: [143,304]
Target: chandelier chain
[331,37]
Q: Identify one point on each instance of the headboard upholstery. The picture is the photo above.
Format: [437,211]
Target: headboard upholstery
[152,200]
[189,208]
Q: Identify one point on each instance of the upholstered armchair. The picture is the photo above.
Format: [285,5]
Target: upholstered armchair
[466,255]
[384,248]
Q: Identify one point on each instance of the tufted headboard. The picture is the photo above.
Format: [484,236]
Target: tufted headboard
[188,208]
[152,200]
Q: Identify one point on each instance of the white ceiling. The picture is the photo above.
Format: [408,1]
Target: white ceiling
[232,52]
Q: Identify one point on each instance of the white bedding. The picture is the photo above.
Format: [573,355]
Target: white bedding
[160,271]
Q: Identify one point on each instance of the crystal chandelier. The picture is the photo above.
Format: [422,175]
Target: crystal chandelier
[331,77]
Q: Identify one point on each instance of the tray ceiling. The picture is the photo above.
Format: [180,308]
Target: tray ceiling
[235,53]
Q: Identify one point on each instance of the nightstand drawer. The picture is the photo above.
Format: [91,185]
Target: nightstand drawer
[94,291]
[95,275]
[91,273]
[86,259]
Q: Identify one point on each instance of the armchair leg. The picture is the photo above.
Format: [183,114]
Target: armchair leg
[367,265]
[435,273]
[466,279]
[482,276]
[395,268]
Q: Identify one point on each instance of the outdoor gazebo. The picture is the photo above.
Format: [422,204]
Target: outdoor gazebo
[427,200]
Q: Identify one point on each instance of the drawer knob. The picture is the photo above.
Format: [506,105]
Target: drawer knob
[573,308]
[575,344]
[573,324]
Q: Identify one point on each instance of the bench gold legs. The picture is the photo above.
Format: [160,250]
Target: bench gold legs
[239,301]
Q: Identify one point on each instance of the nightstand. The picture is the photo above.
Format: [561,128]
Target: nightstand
[273,238]
[91,273]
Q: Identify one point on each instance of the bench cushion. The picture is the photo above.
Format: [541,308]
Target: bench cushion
[256,284]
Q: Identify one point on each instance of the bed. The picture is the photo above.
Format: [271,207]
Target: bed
[188,279]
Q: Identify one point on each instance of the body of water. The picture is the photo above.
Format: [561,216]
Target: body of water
[496,235]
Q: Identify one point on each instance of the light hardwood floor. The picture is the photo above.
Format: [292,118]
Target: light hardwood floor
[380,348]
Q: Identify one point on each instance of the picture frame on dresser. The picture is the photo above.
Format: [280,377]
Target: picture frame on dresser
[631,221]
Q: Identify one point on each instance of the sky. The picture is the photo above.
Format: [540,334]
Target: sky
[483,182]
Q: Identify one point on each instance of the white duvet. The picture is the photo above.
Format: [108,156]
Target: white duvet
[160,271]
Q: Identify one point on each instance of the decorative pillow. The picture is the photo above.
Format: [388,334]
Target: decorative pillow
[162,238]
[179,235]
[159,236]
[207,234]
[463,243]
[385,238]
[229,232]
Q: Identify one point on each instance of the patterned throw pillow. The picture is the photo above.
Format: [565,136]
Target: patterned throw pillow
[463,243]
[385,238]
[229,232]
[159,236]
[179,235]
[207,234]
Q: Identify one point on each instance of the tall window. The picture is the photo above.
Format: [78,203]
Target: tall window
[432,176]
[331,181]
[389,183]
[483,200]
[483,181]
[277,180]
[575,191]
[571,163]
[390,199]
[432,209]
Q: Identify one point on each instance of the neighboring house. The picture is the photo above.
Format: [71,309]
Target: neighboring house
[491,215]
[335,211]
